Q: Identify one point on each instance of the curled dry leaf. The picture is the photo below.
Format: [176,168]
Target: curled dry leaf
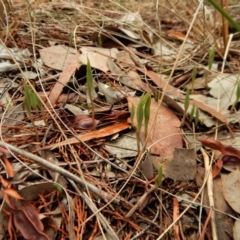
[82,121]
[5,184]
[9,192]
[231,155]
[27,221]
[24,216]
[211,143]
[87,123]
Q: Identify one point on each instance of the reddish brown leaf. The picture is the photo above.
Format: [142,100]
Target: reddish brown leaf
[76,118]
[231,155]
[175,217]
[107,131]
[217,167]
[229,160]
[225,150]
[5,183]
[11,228]
[211,143]
[1,194]
[25,223]
[82,121]
[25,218]
[87,123]
[11,193]
[228,150]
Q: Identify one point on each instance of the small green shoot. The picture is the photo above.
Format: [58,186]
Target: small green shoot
[158,181]
[147,112]
[192,113]
[211,57]
[197,116]
[9,105]
[156,95]
[237,96]
[89,87]
[31,102]
[143,112]
[58,188]
[99,40]
[186,105]
[195,111]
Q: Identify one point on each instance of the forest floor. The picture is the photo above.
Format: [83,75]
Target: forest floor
[119,120]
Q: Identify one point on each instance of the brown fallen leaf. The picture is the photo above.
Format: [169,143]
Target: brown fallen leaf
[161,83]
[57,57]
[209,110]
[230,187]
[23,215]
[166,134]
[26,219]
[98,57]
[104,132]
[85,121]
[224,223]
[63,79]
[182,166]
[225,150]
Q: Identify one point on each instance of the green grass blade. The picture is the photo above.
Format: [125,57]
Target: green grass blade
[89,77]
[186,101]
[238,91]
[139,113]
[211,57]
[147,112]
[192,113]
[197,116]
[224,14]
[27,97]
[158,182]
